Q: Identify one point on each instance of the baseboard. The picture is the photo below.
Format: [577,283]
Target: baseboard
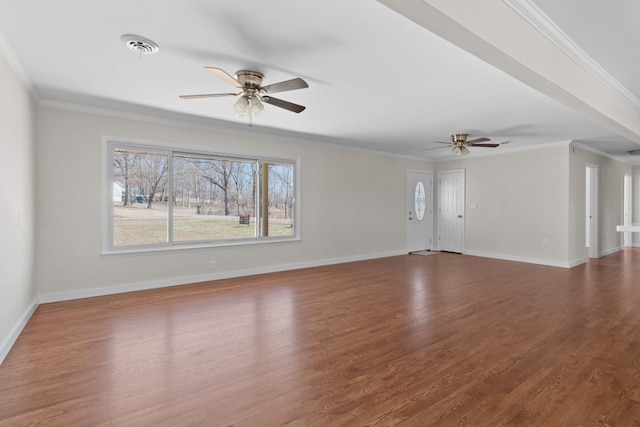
[577,262]
[155,284]
[9,341]
[538,261]
[610,251]
[550,263]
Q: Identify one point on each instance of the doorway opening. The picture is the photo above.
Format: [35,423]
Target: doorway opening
[591,211]
[627,208]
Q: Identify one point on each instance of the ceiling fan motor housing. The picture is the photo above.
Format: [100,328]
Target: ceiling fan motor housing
[459,138]
[251,80]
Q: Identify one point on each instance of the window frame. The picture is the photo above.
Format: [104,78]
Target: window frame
[110,144]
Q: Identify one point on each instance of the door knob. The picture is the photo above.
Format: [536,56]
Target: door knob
[459,216]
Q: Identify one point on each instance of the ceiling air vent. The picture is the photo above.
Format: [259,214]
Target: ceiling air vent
[140,44]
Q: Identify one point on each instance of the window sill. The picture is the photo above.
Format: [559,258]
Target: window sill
[194,246]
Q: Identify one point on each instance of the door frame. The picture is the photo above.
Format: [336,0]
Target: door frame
[428,207]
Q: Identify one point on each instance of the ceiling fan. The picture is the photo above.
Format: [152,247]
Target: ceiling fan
[460,144]
[252,93]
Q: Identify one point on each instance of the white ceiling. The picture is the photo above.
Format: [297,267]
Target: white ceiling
[376,79]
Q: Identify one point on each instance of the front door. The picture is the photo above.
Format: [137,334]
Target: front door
[451,218]
[419,211]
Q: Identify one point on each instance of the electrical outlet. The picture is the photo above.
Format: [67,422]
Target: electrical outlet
[212,264]
[545,242]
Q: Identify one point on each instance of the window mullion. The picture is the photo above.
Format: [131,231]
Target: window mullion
[256,200]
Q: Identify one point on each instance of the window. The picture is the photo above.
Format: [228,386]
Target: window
[168,198]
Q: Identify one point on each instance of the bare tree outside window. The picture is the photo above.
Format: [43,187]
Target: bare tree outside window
[124,163]
[137,220]
[280,191]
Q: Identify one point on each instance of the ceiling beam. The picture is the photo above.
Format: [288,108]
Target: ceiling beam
[494,32]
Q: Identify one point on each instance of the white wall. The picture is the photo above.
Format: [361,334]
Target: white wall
[352,207]
[17,285]
[521,198]
[610,202]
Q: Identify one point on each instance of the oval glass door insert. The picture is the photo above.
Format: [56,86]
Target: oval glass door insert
[419,201]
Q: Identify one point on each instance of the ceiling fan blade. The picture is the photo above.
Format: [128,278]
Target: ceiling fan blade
[221,74]
[484,145]
[441,142]
[292,84]
[283,104]
[208,95]
[473,141]
[433,148]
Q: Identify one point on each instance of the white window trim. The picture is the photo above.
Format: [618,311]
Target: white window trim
[108,248]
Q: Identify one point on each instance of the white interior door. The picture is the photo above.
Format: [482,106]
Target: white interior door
[420,210]
[451,211]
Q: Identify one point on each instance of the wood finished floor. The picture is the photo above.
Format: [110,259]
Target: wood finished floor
[444,340]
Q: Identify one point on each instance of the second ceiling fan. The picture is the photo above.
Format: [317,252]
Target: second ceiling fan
[252,93]
[459,144]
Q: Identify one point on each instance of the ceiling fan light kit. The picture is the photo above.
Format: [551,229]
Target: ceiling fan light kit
[256,105]
[460,150]
[253,94]
[248,105]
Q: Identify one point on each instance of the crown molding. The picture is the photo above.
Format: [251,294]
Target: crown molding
[168,118]
[536,17]
[622,159]
[12,59]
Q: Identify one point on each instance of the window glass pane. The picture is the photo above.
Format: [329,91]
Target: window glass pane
[419,201]
[139,197]
[213,199]
[281,200]
[164,197]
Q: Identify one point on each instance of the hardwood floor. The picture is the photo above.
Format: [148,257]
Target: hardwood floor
[443,340]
